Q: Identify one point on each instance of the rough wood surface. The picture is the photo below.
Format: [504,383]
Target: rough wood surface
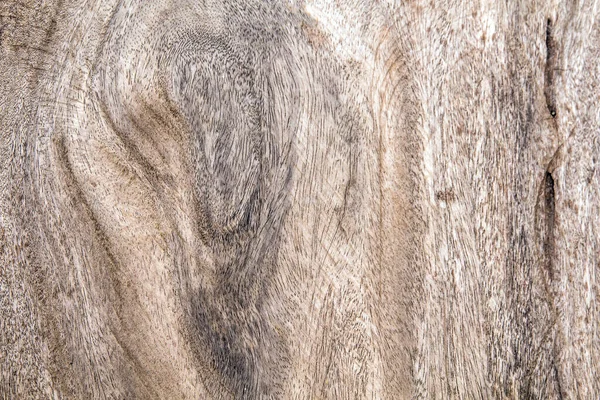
[299,199]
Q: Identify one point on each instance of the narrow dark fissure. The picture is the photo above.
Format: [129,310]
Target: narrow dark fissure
[549,218]
[550,69]
[549,221]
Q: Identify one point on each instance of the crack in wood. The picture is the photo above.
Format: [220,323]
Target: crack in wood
[550,68]
[549,219]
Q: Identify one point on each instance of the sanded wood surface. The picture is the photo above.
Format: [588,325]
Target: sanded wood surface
[320,199]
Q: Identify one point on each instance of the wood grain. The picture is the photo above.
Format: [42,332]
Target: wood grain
[299,199]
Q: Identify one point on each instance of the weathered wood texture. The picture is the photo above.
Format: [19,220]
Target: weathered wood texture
[299,200]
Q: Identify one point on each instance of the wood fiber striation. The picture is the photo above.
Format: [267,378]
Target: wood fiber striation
[299,199]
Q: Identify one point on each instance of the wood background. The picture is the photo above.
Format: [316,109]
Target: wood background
[299,199]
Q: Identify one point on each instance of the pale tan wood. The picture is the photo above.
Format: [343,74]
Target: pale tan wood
[299,199]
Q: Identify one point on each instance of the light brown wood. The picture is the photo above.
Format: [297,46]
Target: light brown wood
[299,199]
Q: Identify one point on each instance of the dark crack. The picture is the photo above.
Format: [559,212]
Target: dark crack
[550,69]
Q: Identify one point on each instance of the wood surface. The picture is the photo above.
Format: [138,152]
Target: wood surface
[320,199]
